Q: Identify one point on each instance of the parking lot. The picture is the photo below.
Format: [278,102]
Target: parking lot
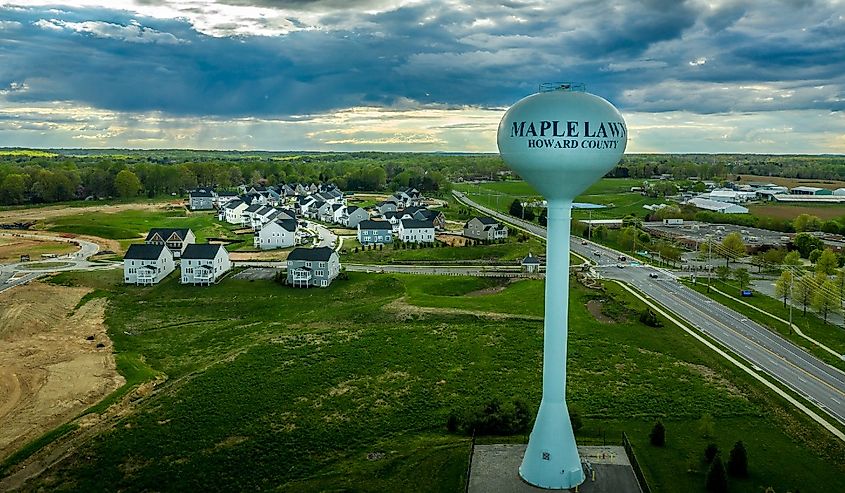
[256,273]
[693,233]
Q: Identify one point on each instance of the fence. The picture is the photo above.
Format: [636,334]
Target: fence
[638,472]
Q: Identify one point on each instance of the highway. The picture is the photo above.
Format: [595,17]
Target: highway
[767,352]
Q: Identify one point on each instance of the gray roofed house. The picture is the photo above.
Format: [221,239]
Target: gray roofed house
[530,264]
[204,263]
[374,232]
[312,267]
[416,231]
[353,215]
[201,199]
[385,206]
[485,228]
[280,233]
[147,264]
[176,239]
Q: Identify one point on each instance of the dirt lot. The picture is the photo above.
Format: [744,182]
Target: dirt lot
[11,248]
[41,213]
[268,255]
[49,371]
[451,240]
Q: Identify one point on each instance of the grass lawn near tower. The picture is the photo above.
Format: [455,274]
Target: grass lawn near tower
[349,387]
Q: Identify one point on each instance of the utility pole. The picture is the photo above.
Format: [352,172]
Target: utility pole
[709,260]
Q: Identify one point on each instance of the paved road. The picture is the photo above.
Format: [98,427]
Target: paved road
[21,274]
[325,236]
[818,382]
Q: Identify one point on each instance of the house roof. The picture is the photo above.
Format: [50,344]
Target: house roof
[428,213]
[486,220]
[288,224]
[352,208]
[336,206]
[530,259]
[204,251]
[227,194]
[233,204]
[200,193]
[321,254]
[143,252]
[265,210]
[254,207]
[415,224]
[166,233]
[392,214]
[370,224]
[319,204]
[412,210]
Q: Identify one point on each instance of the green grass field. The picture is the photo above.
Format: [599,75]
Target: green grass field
[615,193]
[275,388]
[509,253]
[134,224]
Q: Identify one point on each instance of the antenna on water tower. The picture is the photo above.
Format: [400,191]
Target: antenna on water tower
[560,140]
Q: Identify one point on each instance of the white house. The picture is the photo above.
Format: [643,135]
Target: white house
[373,232]
[204,264]
[337,212]
[353,215]
[147,264]
[280,233]
[176,239]
[414,231]
[233,211]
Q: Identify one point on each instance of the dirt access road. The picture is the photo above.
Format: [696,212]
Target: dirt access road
[51,367]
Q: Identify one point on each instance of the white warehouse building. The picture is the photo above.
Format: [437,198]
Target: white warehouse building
[716,206]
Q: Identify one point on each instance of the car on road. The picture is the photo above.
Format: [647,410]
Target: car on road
[622,258]
[652,275]
[597,253]
[621,266]
[583,242]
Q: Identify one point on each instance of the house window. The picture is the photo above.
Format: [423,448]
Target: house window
[324,283]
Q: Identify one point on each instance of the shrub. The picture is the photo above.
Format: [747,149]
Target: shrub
[658,434]
[717,480]
[738,461]
[494,419]
[649,318]
[711,452]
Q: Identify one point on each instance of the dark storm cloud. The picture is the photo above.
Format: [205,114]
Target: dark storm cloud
[646,55]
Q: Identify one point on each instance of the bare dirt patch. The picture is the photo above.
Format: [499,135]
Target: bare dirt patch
[42,213]
[595,307]
[49,371]
[451,240]
[278,255]
[491,290]
[405,311]
[12,247]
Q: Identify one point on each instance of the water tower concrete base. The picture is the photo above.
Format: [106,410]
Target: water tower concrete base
[494,470]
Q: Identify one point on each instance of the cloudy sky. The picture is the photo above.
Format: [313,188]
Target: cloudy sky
[762,76]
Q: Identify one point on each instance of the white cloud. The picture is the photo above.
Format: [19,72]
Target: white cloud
[132,33]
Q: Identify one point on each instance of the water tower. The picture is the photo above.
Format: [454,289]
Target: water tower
[560,140]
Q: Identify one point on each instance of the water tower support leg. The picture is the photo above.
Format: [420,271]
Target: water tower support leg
[551,459]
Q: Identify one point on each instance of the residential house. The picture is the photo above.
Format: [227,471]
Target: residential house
[353,215]
[279,233]
[175,239]
[435,216]
[336,213]
[373,232]
[312,267]
[385,206]
[204,264]
[147,264]
[320,210]
[530,264]
[201,199]
[262,216]
[223,198]
[415,231]
[234,210]
[249,213]
[393,218]
[485,228]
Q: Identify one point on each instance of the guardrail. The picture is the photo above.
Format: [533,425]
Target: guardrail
[638,472]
